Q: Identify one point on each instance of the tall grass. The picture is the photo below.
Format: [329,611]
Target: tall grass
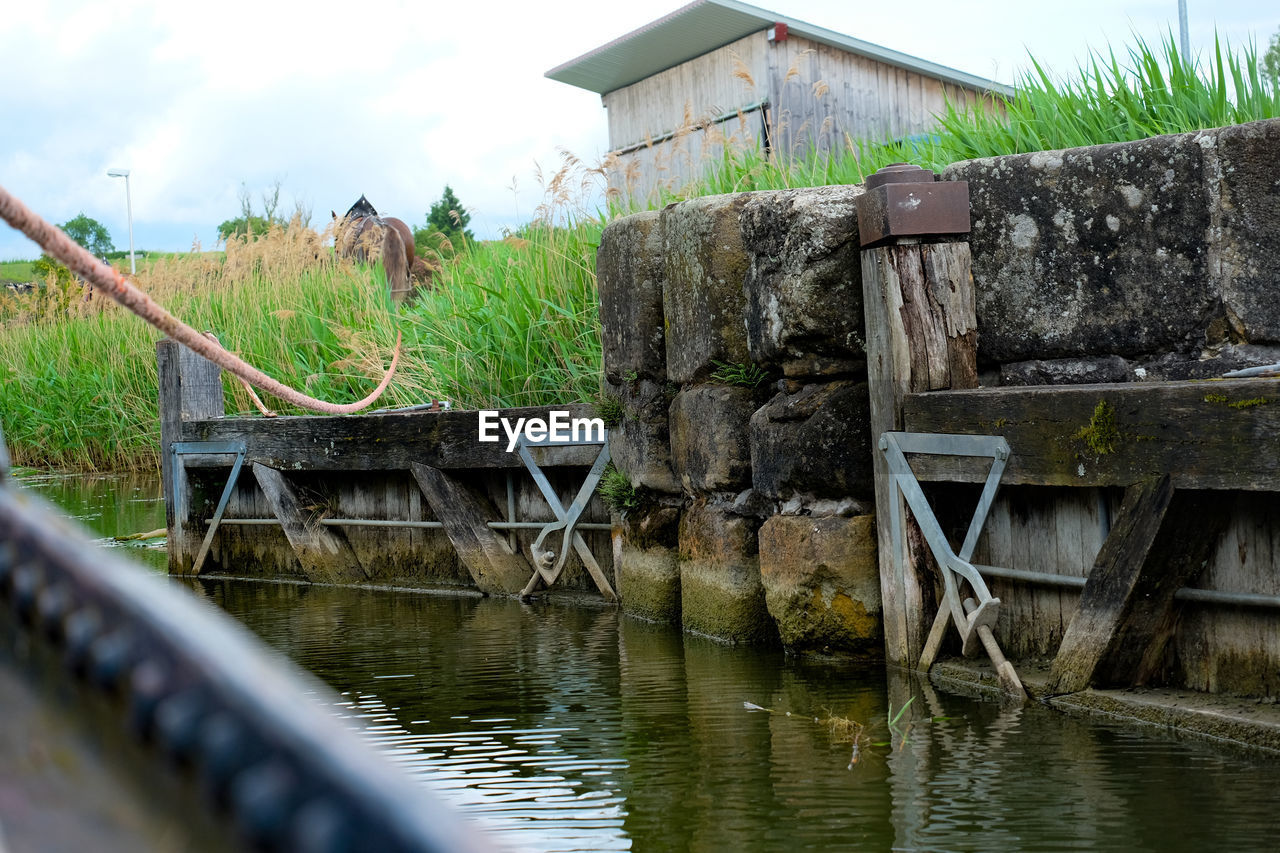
[78,383]
[510,322]
[514,322]
[1152,91]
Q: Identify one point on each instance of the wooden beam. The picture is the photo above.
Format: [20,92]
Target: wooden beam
[921,335]
[385,441]
[1208,435]
[324,553]
[465,512]
[1161,539]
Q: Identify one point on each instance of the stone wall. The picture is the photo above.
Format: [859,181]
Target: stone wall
[733,339]
[1157,259]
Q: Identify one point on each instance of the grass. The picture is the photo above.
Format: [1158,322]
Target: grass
[78,387]
[617,492]
[745,375]
[18,271]
[512,322]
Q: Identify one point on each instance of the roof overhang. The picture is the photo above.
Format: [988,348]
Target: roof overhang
[705,25]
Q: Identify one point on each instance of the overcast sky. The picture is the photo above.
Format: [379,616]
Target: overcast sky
[395,100]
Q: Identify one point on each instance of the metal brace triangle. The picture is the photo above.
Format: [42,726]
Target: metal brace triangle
[973,619]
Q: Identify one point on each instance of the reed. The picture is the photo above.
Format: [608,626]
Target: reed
[79,387]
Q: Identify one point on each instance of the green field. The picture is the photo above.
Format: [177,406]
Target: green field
[19,271]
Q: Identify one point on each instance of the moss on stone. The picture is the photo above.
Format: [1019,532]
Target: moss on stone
[1100,435]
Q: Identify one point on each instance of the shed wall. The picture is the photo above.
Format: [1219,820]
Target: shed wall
[703,87]
[818,95]
[822,93]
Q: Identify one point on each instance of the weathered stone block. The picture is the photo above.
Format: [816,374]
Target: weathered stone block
[721,594]
[1067,371]
[703,302]
[650,573]
[1091,251]
[630,268]
[822,584]
[804,280]
[816,441]
[710,450]
[1243,171]
[640,444]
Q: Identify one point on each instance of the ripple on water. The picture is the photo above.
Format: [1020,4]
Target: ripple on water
[568,729]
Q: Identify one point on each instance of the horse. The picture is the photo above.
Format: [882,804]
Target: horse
[364,235]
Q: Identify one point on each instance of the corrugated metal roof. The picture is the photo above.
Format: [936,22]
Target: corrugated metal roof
[704,25]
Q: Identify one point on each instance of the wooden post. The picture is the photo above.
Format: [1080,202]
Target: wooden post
[921,336]
[190,389]
[1161,539]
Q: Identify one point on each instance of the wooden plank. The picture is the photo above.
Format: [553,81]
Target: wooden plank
[324,553]
[385,441]
[1161,539]
[1228,649]
[1209,435]
[465,513]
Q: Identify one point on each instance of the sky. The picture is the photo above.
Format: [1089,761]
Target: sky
[205,101]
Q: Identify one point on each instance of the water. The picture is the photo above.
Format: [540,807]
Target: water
[109,505]
[574,728]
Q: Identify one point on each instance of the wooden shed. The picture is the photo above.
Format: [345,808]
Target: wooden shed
[719,72]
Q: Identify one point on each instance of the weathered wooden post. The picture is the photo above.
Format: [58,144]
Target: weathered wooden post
[921,336]
[190,388]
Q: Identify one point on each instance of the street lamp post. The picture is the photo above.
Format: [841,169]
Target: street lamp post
[128,198]
[1183,34]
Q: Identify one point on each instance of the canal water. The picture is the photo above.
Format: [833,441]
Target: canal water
[573,728]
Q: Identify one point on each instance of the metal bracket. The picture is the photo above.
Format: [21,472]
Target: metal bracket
[178,471]
[895,446]
[548,564]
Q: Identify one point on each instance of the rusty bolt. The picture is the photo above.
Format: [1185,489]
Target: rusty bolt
[902,200]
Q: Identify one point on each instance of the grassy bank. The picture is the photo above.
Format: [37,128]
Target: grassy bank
[510,322]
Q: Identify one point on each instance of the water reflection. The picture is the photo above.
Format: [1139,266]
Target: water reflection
[576,729]
[109,505]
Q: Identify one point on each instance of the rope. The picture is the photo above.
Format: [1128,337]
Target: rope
[58,245]
[257,401]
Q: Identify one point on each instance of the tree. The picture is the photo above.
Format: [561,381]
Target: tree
[90,233]
[1271,60]
[448,217]
[251,224]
